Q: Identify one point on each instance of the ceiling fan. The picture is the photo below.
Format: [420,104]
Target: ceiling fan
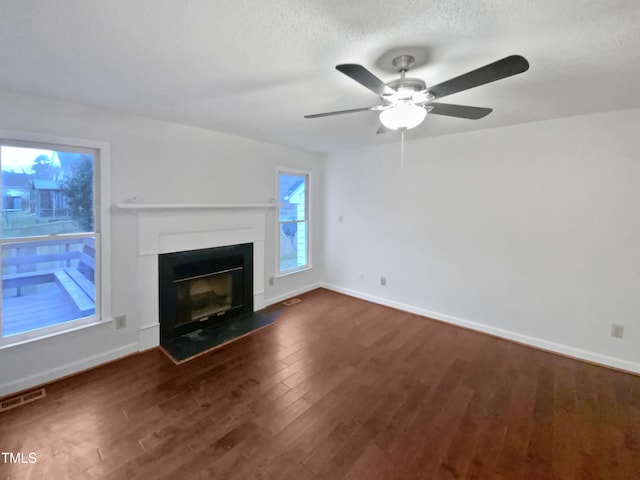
[406,101]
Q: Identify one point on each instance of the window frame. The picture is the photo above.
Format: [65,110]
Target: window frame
[102,229]
[308,188]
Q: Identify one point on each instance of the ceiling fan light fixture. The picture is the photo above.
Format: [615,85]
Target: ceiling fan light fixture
[403,115]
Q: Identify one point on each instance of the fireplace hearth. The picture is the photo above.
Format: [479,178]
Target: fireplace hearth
[200,288]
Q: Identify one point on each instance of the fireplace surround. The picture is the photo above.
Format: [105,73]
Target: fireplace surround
[198,288]
[170,228]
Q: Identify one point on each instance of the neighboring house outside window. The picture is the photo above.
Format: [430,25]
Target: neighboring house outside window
[50,237]
[293,221]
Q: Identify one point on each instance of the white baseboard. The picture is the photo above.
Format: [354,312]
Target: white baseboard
[291,293]
[67,369]
[566,350]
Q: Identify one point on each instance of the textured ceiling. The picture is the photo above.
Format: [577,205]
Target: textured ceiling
[254,68]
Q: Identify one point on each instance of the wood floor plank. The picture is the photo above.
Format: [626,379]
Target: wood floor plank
[338,388]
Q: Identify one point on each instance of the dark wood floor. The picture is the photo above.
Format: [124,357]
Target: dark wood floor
[337,388]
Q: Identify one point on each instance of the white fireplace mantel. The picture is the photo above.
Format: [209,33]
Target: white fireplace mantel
[191,206]
[163,228]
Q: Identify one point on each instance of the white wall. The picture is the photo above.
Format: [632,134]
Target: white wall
[531,232]
[157,162]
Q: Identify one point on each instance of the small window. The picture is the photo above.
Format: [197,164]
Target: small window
[48,238]
[293,221]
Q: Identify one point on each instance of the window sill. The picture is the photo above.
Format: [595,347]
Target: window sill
[6,342]
[291,272]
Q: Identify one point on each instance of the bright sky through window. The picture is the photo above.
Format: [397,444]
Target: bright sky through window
[20,159]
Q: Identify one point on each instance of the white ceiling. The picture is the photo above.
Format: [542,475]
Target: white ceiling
[255,67]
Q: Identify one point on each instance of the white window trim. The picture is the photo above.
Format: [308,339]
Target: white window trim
[103,235]
[308,189]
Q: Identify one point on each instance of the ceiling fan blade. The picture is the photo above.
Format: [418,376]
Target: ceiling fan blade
[498,70]
[340,112]
[366,78]
[383,129]
[460,111]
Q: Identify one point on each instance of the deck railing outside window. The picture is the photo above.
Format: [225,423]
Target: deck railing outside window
[47,282]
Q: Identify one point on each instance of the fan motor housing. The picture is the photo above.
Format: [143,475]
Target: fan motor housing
[415,84]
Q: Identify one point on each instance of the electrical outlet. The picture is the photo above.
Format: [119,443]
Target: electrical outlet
[383,281]
[121,322]
[360,275]
[617,331]
[271,281]
[340,219]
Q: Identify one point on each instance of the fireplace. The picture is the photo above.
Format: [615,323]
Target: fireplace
[198,288]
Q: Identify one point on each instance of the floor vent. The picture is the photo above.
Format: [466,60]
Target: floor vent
[23,399]
[291,301]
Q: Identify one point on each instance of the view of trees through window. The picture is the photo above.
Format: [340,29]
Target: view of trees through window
[47,237]
[45,192]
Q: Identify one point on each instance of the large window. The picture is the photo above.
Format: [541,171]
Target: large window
[49,238]
[293,221]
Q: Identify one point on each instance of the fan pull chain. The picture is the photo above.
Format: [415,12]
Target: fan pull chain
[402,150]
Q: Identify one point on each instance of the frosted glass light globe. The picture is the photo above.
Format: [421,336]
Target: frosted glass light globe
[403,115]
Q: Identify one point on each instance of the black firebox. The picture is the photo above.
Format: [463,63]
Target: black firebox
[201,287]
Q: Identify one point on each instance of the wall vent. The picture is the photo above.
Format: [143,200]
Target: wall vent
[23,399]
[291,301]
